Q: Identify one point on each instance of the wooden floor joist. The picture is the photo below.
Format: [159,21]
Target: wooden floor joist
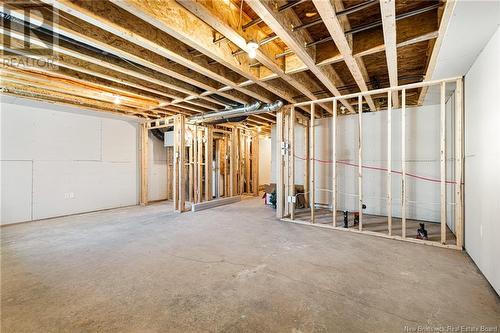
[279,23]
[160,20]
[166,18]
[153,50]
[328,14]
[127,54]
[224,19]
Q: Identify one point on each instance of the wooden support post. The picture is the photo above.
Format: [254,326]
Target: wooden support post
[167,173]
[403,163]
[191,171]
[242,152]
[232,162]
[182,153]
[360,161]
[209,143]
[312,171]
[216,170]
[389,161]
[291,163]
[286,160]
[199,169]
[247,165]
[239,152]
[144,164]
[175,165]
[255,163]
[227,193]
[459,221]
[443,162]
[334,164]
[306,164]
[279,164]
[195,164]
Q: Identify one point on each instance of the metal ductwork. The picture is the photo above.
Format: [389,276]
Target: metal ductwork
[254,108]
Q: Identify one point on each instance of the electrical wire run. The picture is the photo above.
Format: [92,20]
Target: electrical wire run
[429,179]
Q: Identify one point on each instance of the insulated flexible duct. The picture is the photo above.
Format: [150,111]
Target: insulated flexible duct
[254,108]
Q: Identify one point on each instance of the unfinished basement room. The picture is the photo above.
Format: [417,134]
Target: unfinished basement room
[250,166]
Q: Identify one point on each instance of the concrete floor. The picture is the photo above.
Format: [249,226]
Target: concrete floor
[378,223]
[230,269]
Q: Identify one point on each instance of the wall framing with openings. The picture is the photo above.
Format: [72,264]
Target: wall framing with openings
[206,162]
[449,230]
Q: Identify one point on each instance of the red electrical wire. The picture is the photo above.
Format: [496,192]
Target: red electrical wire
[379,169]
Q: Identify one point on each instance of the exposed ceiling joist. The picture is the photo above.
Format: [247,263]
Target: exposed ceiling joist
[388,11]
[280,23]
[64,99]
[176,21]
[59,73]
[69,92]
[161,54]
[53,84]
[125,53]
[125,33]
[329,17]
[218,15]
[443,26]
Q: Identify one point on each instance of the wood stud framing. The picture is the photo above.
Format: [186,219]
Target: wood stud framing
[309,179]
[279,165]
[360,161]
[403,163]
[334,163]
[144,164]
[459,186]
[442,144]
[192,164]
[291,157]
[175,84]
[389,161]
[312,188]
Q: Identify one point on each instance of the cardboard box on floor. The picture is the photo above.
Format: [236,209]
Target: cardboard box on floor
[299,203]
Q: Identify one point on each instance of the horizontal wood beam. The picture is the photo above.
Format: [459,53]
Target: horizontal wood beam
[41,94]
[179,23]
[52,85]
[104,41]
[329,17]
[127,30]
[388,12]
[224,18]
[281,23]
[60,76]
[443,26]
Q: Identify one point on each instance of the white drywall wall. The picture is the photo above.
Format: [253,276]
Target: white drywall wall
[157,169]
[59,160]
[482,161]
[422,159]
[264,160]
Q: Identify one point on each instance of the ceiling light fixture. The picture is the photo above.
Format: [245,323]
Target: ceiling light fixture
[252,49]
[117,100]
